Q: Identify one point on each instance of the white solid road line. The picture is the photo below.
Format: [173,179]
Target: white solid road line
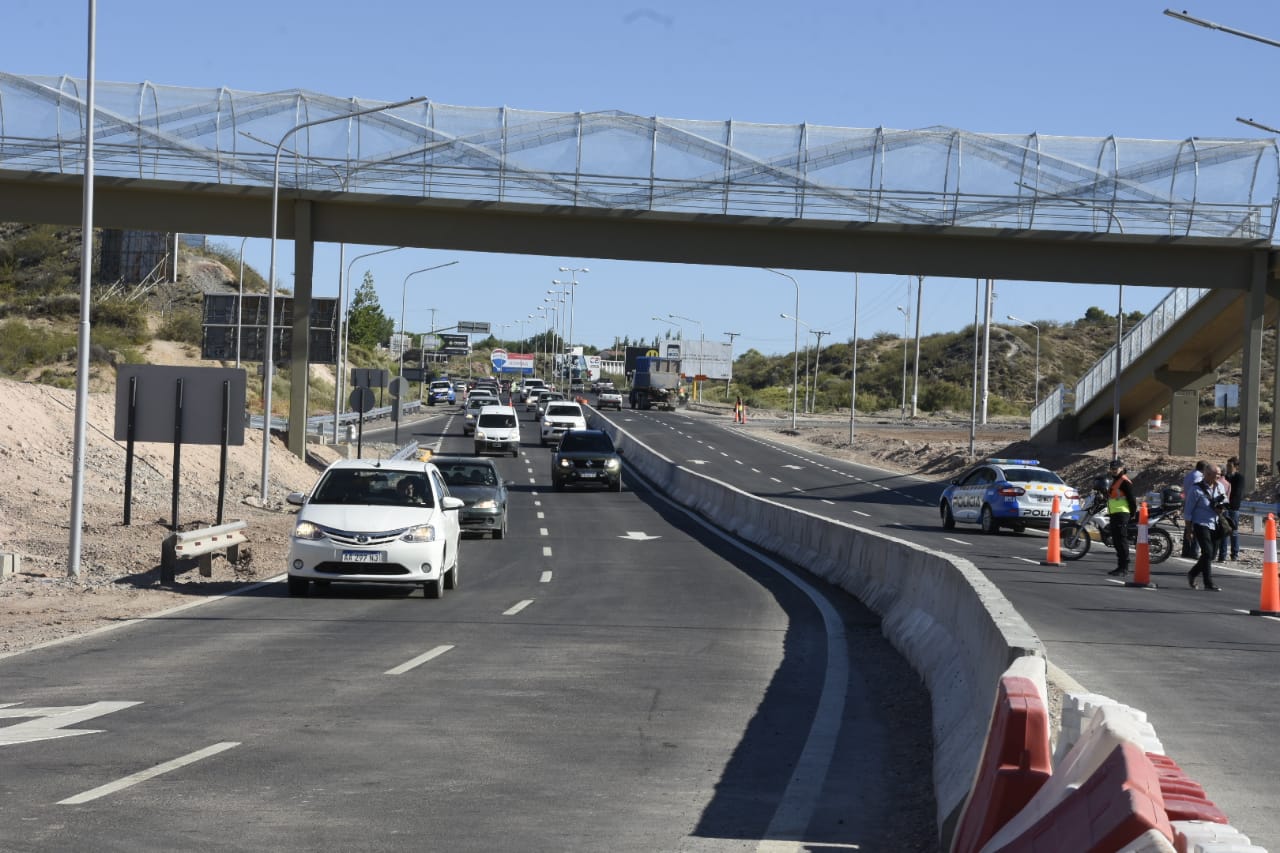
[512,611]
[546,578]
[418,661]
[142,776]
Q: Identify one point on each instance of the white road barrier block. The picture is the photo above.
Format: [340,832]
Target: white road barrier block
[1151,841]
[1078,714]
[1205,837]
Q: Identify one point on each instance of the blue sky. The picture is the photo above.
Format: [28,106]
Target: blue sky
[1090,68]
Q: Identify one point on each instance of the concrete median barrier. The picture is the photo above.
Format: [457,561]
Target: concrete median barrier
[953,626]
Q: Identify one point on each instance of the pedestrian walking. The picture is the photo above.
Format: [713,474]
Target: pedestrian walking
[1233,479]
[1205,500]
[1121,506]
[1194,476]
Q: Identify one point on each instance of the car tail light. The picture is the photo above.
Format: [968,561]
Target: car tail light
[1011,491]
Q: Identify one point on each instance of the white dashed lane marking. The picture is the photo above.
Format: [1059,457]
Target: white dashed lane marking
[957,541]
[418,661]
[546,578]
[775,479]
[151,773]
[860,512]
[546,550]
[517,607]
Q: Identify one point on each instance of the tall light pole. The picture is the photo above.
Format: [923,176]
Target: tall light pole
[915,381]
[404,289]
[344,337]
[906,321]
[268,362]
[795,360]
[86,303]
[702,339]
[1037,328]
[573,298]
[806,357]
[853,373]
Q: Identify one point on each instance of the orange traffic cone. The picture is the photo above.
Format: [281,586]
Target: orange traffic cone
[1053,557]
[1142,563]
[1270,604]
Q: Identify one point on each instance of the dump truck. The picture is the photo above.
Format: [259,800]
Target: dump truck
[655,383]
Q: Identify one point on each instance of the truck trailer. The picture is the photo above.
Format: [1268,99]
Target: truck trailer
[655,383]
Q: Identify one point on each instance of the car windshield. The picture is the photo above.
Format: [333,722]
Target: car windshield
[373,487]
[594,442]
[1031,475]
[563,411]
[468,474]
[497,421]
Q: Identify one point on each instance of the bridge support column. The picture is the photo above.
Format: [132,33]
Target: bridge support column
[1184,408]
[1255,303]
[300,347]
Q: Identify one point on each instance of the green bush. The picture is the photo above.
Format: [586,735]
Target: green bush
[183,325]
[23,347]
[129,319]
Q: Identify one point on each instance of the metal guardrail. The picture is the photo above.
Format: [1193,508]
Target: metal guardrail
[1050,409]
[199,545]
[323,424]
[1140,338]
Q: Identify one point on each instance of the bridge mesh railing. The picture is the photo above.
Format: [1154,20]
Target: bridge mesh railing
[614,160]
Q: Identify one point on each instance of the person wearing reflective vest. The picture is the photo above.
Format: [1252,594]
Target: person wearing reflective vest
[1120,508]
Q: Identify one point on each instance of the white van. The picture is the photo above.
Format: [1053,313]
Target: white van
[498,428]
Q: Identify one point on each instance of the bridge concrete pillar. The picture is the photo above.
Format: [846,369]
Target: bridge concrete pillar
[1184,408]
[300,346]
[1255,303]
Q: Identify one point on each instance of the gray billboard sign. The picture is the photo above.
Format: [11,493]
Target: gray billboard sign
[157,403]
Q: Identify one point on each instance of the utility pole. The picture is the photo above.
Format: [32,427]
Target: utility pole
[817,359]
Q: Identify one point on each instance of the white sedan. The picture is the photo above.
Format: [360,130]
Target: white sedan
[370,521]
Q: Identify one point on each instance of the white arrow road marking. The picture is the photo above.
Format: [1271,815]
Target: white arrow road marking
[638,536]
[418,661]
[512,611]
[51,723]
[144,775]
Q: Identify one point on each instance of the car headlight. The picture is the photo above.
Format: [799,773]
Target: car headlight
[479,435]
[612,464]
[307,530]
[565,463]
[421,533]
[489,503]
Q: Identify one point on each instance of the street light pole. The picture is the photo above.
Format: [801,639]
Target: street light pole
[853,373]
[344,338]
[795,355]
[906,320]
[728,382]
[702,338]
[806,358]
[268,363]
[1037,328]
[817,358]
[573,298]
[240,302]
[404,289]
[915,381]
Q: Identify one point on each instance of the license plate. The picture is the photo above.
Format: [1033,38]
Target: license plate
[587,474]
[364,556]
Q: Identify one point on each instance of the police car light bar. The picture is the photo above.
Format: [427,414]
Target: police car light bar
[1013,461]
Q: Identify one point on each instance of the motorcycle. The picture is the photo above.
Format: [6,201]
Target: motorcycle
[1077,533]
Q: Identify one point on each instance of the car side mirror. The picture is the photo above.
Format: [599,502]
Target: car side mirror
[955,481]
[618,450]
[296,498]
[452,503]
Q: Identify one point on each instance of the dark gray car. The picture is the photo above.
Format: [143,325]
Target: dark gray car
[586,457]
[477,482]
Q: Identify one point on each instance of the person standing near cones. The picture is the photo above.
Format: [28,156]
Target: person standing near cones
[1205,500]
[1121,506]
[1233,479]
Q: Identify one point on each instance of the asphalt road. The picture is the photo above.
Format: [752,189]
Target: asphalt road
[1195,661]
[611,676]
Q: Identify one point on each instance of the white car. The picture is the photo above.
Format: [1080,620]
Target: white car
[497,428]
[531,398]
[369,521]
[560,417]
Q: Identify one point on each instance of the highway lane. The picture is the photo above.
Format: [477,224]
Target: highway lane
[1193,660]
[586,688]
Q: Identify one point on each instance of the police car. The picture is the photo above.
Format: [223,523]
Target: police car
[1014,493]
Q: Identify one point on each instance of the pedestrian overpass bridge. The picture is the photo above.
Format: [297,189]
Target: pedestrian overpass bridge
[1194,213]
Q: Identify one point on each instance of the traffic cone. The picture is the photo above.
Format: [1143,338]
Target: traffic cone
[1270,604]
[1142,563]
[1053,557]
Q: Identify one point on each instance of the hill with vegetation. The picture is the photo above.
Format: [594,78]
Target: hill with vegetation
[40,305]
